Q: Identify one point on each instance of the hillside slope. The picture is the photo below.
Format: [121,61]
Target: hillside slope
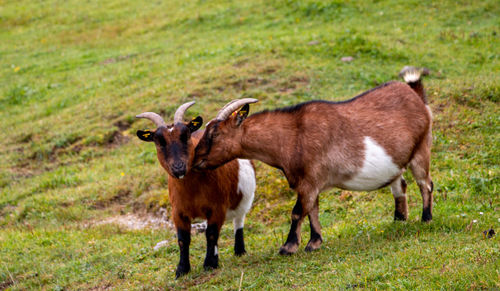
[75,73]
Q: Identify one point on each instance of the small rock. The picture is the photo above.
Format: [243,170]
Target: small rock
[160,245]
[347,59]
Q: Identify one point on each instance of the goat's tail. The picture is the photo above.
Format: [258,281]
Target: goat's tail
[413,77]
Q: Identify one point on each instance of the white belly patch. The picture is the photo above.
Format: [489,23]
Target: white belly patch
[377,170]
[246,185]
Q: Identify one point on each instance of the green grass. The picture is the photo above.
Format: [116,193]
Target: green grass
[75,73]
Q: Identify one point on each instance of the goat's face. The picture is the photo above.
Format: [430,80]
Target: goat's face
[221,141]
[174,146]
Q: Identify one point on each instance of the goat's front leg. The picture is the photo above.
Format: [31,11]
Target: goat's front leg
[212,257]
[293,240]
[183,225]
[316,240]
[305,204]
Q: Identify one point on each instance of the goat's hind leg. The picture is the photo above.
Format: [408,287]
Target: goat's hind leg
[420,168]
[304,205]
[398,189]
[239,242]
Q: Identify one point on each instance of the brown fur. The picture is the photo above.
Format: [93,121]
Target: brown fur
[319,145]
[205,192]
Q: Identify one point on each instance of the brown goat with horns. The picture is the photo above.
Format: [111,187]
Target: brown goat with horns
[364,143]
[215,195]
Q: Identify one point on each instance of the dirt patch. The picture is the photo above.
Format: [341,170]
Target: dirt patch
[270,84]
[253,76]
[122,124]
[106,286]
[117,59]
[241,63]
[22,171]
[249,83]
[293,83]
[143,220]
[49,154]
[117,138]
[199,93]
[122,197]
[66,204]
[133,221]
[203,278]
[24,138]
[6,284]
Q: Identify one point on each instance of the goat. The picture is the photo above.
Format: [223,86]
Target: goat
[215,195]
[364,143]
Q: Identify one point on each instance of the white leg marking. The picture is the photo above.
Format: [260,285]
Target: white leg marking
[396,189]
[238,223]
[216,251]
[246,185]
[378,168]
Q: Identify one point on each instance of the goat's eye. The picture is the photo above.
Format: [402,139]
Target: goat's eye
[161,140]
[184,137]
[213,132]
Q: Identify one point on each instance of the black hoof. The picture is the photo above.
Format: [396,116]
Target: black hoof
[239,253]
[426,215]
[313,245]
[211,263]
[284,252]
[399,216]
[182,270]
[309,249]
[426,218]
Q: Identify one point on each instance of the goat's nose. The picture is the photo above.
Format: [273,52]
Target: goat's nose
[178,165]
[179,169]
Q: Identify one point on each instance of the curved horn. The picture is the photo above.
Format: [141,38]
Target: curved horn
[229,103]
[179,114]
[232,106]
[154,117]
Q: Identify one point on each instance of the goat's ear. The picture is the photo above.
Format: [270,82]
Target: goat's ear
[242,114]
[195,124]
[145,135]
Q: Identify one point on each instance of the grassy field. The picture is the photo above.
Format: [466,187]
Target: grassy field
[75,73]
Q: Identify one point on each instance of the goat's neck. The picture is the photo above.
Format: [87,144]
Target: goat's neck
[267,138]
